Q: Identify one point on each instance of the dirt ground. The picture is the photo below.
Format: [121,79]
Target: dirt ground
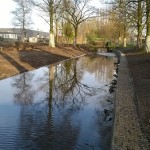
[139,65]
[17,58]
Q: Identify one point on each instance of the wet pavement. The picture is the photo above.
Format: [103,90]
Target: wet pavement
[128,134]
[67,106]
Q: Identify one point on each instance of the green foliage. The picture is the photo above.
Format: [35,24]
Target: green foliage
[68,30]
[91,37]
[95,38]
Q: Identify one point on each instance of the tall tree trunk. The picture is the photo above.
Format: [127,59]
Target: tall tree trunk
[56,38]
[147,44]
[119,38]
[23,26]
[139,26]
[125,42]
[75,36]
[51,36]
[125,37]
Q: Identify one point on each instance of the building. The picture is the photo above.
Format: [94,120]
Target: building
[17,34]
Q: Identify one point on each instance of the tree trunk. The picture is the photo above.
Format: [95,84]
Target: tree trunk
[147,44]
[56,38]
[23,26]
[124,42]
[139,26]
[119,40]
[125,37]
[139,40]
[51,35]
[75,36]
[51,40]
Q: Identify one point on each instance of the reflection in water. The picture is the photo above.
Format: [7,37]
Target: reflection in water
[24,92]
[101,67]
[67,106]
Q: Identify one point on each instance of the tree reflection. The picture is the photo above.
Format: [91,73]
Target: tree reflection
[69,89]
[50,122]
[102,67]
[64,87]
[24,92]
[39,123]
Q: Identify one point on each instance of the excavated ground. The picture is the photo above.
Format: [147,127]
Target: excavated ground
[18,58]
[139,66]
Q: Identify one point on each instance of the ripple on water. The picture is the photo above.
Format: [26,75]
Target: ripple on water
[59,107]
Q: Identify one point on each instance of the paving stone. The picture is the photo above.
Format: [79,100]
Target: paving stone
[127,131]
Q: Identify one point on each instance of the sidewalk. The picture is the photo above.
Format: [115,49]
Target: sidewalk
[127,131]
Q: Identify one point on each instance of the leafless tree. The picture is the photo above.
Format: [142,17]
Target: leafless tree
[147,2]
[48,9]
[76,12]
[139,11]
[22,15]
[147,47]
[137,17]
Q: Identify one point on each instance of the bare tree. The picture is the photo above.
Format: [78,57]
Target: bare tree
[147,44]
[139,24]
[117,12]
[122,19]
[137,17]
[130,15]
[76,12]
[22,15]
[48,9]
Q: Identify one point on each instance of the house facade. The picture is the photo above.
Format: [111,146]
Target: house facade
[17,34]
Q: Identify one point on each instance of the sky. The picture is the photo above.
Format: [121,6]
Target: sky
[6,6]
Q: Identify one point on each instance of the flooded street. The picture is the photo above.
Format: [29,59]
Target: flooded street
[67,106]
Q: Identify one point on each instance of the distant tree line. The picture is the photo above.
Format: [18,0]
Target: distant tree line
[128,16]
[116,21]
[66,14]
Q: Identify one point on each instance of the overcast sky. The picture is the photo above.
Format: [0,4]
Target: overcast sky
[6,6]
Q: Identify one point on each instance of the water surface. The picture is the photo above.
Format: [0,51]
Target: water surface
[67,106]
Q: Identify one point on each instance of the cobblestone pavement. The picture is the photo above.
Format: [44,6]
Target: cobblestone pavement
[127,131]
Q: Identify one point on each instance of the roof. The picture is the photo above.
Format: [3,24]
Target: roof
[29,33]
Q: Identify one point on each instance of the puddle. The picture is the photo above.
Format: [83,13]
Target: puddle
[67,106]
